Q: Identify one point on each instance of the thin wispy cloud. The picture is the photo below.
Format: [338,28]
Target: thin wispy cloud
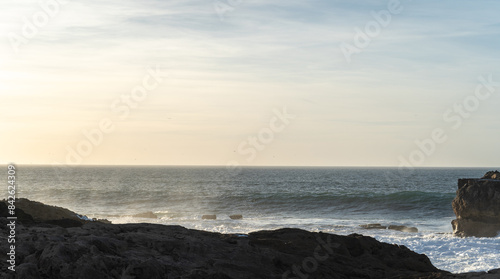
[227,74]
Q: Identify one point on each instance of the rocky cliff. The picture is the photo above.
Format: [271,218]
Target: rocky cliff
[477,206]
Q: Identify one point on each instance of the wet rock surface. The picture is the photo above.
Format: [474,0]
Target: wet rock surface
[236,216]
[148,214]
[477,206]
[209,217]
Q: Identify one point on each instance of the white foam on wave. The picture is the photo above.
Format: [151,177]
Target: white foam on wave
[448,252]
[83,217]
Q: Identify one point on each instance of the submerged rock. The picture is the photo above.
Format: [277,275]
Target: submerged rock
[236,216]
[477,206]
[373,227]
[209,217]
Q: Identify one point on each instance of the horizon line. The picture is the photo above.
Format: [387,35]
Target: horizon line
[240,166]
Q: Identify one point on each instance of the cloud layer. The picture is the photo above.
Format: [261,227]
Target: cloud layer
[231,63]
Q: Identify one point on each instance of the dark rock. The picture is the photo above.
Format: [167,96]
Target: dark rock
[150,268]
[373,227]
[492,175]
[42,212]
[467,227]
[22,216]
[236,216]
[28,271]
[97,250]
[209,217]
[477,206]
[28,211]
[65,223]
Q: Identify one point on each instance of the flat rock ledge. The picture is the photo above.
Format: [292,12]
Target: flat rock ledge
[102,250]
[477,206]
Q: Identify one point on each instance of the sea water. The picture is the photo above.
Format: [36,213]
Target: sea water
[336,200]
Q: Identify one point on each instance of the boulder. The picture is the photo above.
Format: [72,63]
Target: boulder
[209,217]
[373,227]
[477,206]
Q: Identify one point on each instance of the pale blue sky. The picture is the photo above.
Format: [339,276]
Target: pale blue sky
[227,77]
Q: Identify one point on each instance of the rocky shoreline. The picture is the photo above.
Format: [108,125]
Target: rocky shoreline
[52,242]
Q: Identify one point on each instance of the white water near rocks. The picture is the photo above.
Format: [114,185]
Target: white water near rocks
[336,200]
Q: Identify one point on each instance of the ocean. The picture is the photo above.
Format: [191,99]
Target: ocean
[337,200]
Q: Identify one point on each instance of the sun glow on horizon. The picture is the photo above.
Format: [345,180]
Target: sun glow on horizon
[223,76]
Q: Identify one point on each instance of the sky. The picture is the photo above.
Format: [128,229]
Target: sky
[258,83]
